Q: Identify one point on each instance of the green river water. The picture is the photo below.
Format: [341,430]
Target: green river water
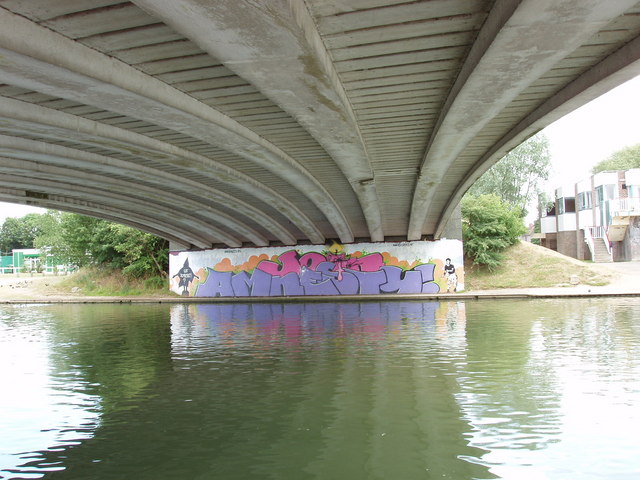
[514,389]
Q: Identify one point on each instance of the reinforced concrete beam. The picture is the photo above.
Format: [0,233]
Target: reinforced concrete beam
[519,41]
[58,66]
[57,202]
[621,66]
[120,195]
[42,160]
[44,122]
[274,43]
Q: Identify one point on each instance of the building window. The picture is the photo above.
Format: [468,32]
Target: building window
[584,201]
[550,210]
[566,205]
[599,195]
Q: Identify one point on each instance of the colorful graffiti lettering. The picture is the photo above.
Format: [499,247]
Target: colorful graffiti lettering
[332,273]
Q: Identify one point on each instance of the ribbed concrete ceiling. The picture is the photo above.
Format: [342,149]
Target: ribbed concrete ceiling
[246,122]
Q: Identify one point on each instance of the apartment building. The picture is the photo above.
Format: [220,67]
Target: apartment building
[596,219]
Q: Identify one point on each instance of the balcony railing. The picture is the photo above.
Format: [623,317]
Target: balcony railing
[624,207]
[596,232]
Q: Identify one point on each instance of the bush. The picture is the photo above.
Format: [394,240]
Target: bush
[113,282]
[489,225]
[156,283]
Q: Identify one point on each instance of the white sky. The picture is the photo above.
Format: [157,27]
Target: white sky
[578,140]
[14,210]
[593,132]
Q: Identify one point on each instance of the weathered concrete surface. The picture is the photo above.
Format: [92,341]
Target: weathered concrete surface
[519,40]
[238,122]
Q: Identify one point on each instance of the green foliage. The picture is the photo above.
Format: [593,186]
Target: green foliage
[19,232]
[517,177]
[85,241]
[489,226]
[155,283]
[144,254]
[100,280]
[624,159]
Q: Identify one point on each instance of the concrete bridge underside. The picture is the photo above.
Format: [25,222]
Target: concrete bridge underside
[247,122]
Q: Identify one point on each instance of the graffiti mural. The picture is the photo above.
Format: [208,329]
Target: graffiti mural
[185,276]
[303,270]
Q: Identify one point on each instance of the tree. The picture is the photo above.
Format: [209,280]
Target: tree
[489,225]
[517,177]
[19,232]
[71,238]
[624,159]
[82,241]
[144,254]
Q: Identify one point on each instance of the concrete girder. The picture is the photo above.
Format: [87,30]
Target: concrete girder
[42,188]
[506,57]
[147,222]
[12,195]
[58,66]
[621,66]
[73,184]
[45,122]
[102,165]
[100,210]
[291,54]
[63,160]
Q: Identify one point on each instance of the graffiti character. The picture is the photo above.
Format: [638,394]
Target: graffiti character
[450,274]
[186,276]
[341,261]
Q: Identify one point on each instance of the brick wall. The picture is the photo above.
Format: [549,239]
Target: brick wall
[567,244]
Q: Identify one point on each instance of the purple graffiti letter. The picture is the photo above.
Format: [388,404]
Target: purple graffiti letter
[400,281]
[428,285]
[218,284]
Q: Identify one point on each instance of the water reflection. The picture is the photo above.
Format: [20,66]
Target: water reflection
[37,408]
[509,389]
[360,390]
[63,370]
[544,392]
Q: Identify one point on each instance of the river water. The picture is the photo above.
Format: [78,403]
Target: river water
[514,389]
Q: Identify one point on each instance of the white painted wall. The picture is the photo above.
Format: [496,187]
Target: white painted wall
[632,177]
[548,224]
[605,178]
[566,222]
[585,218]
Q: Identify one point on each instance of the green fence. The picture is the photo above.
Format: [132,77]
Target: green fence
[31,261]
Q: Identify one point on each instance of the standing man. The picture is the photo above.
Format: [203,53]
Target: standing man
[450,274]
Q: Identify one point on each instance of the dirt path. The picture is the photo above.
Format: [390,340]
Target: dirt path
[27,287]
[621,274]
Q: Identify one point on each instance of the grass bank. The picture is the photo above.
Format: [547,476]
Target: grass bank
[529,266]
[112,283]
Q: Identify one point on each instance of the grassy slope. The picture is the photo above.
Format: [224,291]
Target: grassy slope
[93,281]
[530,266]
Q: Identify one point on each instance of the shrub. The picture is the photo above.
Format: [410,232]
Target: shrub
[489,225]
[156,283]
